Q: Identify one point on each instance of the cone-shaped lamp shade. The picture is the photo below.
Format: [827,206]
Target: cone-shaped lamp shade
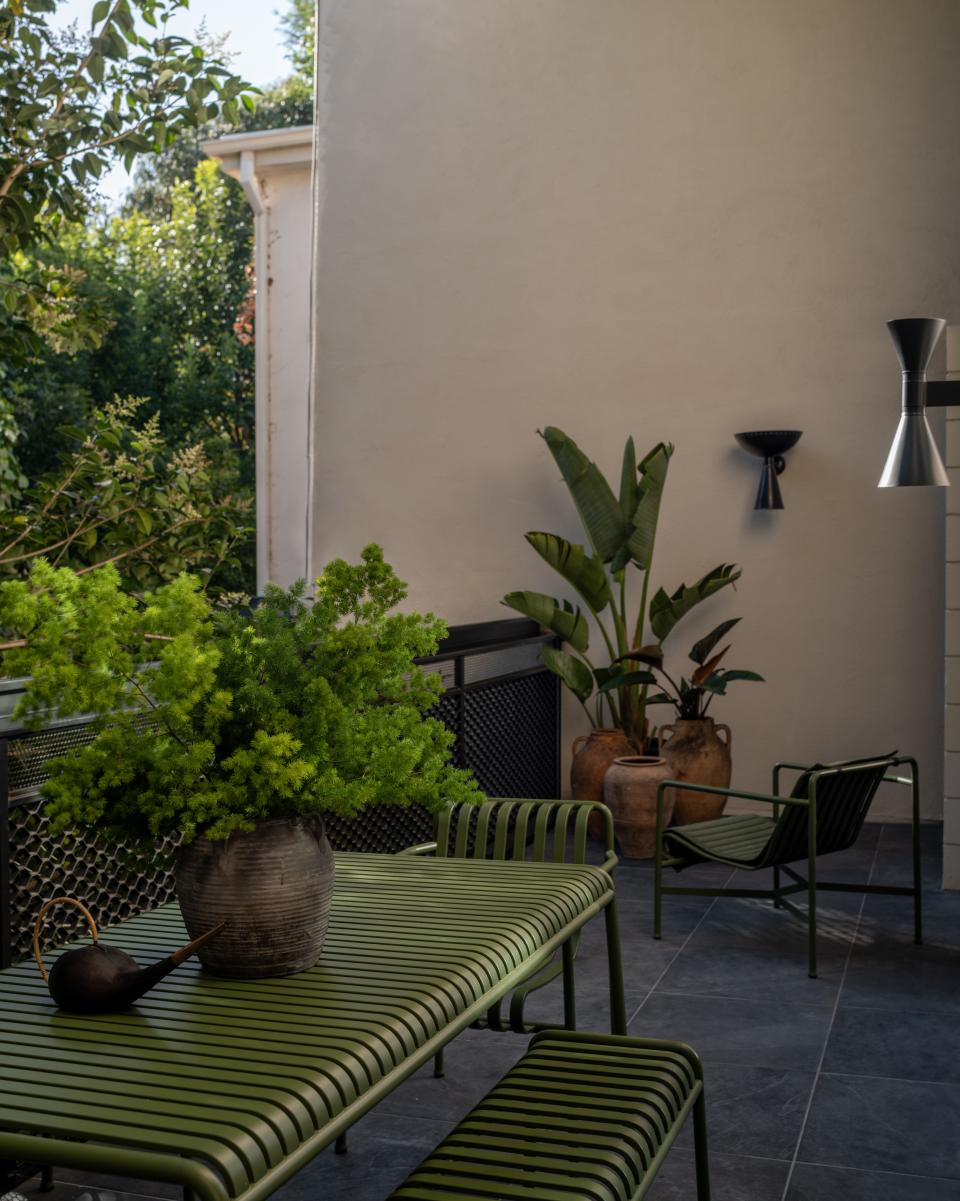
[914,460]
[914,339]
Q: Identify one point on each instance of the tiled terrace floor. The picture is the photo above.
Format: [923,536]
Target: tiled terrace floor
[838,1089]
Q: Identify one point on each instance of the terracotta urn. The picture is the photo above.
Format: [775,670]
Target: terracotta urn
[592,755]
[695,751]
[630,792]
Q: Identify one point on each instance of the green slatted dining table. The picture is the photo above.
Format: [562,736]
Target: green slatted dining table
[229,1087]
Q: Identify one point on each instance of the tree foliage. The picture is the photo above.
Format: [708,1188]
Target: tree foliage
[208,722]
[70,103]
[121,498]
[169,291]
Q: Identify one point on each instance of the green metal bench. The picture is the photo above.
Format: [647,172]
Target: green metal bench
[538,831]
[585,1116]
[823,814]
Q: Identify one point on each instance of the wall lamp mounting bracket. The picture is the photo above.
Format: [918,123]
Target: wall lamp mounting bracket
[771,446]
[914,460]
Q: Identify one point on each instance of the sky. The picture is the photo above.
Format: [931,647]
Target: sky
[254,41]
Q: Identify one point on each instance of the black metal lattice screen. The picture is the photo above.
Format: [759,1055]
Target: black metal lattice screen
[499,701]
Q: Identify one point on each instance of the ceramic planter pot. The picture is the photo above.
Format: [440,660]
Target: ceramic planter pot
[272,887]
[592,755]
[630,792]
[696,752]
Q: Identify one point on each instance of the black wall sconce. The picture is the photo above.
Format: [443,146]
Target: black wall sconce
[771,446]
[914,460]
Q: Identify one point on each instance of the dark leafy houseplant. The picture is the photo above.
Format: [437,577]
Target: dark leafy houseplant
[691,698]
[621,532]
[208,721]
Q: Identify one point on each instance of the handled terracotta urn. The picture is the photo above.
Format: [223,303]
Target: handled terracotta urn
[592,755]
[630,793]
[695,751]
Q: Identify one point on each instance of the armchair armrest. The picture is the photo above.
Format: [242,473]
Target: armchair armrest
[422,848]
[786,765]
[715,790]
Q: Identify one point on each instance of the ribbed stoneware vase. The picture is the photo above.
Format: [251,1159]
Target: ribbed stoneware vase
[696,752]
[630,793]
[272,887]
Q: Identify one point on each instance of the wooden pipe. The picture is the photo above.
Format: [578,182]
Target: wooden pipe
[101,978]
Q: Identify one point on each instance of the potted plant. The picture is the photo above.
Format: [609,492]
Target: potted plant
[235,730]
[692,745]
[621,533]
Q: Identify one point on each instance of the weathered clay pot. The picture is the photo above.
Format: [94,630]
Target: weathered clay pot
[272,887]
[696,752]
[592,755]
[630,792]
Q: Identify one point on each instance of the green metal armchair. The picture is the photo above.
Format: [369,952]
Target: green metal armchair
[824,813]
[540,831]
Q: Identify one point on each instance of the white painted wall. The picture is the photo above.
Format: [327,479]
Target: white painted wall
[275,168]
[671,218]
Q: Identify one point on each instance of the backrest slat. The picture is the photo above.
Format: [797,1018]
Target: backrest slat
[843,796]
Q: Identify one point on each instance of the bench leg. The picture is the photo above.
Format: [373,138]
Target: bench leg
[700,1149]
[917,872]
[569,988]
[618,1005]
[340,1146]
[438,1065]
[776,888]
[658,881]
[46,1179]
[812,896]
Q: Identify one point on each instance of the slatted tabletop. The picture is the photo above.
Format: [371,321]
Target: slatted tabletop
[229,1087]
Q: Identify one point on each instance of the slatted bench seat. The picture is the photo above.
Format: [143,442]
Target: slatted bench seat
[581,1117]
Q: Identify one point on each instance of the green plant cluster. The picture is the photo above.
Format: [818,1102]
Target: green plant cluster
[208,721]
[691,698]
[621,530]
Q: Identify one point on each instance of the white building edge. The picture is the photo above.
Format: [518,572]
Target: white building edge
[274,169]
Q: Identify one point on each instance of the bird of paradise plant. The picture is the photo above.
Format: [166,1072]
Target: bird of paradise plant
[621,533]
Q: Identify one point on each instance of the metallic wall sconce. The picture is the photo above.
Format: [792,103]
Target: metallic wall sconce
[771,446]
[914,460]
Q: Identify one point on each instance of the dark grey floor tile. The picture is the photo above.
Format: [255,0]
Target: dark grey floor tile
[899,975]
[382,1151]
[756,925]
[885,1125]
[813,1182]
[751,1033]
[732,1178]
[71,1185]
[903,1044]
[889,920]
[753,1111]
[760,973]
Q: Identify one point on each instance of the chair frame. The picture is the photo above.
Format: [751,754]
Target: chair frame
[548,823]
[809,884]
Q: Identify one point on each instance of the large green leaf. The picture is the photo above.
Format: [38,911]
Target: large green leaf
[582,571]
[574,672]
[628,679]
[706,644]
[653,476]
[666,611]
[629,486]
[559,616]
[598,508]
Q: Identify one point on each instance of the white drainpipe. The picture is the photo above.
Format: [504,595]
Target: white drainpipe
[255,198]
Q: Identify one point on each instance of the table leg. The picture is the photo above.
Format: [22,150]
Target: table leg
[618,1004]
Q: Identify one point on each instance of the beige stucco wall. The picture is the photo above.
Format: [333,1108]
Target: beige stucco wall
[671,218]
